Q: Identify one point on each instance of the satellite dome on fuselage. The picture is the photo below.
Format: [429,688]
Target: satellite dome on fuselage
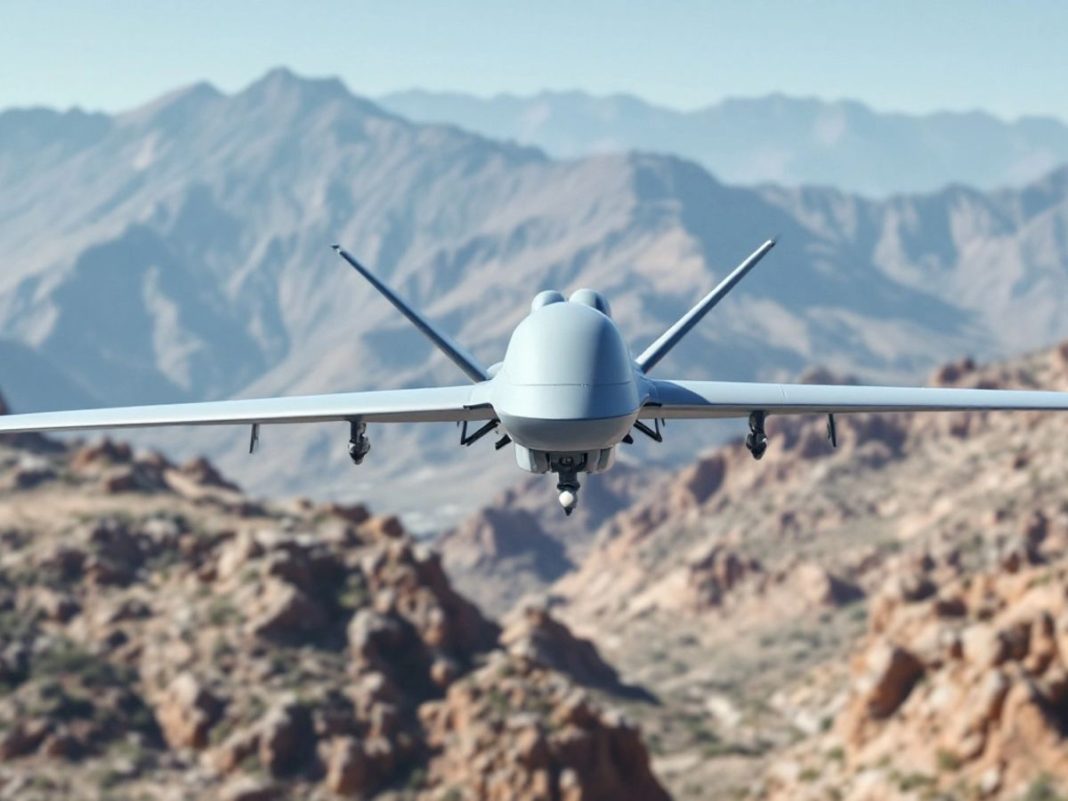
[568,342]
[593,298]
[543,299]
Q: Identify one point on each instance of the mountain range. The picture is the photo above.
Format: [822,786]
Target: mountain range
[774,139]
[180,251]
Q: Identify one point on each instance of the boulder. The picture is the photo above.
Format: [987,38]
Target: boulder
[287,738]
[235,749]
[889,676]
[27,477]
[135,477]
[347,769]
[819,587]
[187,712]
[57,606]
[559,746]
[356,513]
[715,572]
[236,553]
[205,474]
[286,613]
[61,745]
[697,484]
[24,738]
[374,637]
[102,453]
[536,635]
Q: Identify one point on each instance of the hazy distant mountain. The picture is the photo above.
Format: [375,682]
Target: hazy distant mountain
[774,139]
[31,381]
[181,251]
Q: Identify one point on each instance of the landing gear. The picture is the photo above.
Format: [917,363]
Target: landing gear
[359,444]
[757,439]
[568,484]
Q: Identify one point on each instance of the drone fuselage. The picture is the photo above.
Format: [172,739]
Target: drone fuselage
[568,390]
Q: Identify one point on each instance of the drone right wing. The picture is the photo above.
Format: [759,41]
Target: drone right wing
[709,399]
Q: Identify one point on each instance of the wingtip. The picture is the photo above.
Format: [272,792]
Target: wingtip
[336,247]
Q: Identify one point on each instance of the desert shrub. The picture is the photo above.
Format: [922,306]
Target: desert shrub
[1042,789]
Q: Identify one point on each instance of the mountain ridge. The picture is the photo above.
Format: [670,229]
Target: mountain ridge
[774,138]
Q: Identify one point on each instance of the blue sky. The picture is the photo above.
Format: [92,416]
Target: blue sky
[1006,57]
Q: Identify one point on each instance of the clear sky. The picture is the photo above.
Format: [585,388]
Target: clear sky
[914,55]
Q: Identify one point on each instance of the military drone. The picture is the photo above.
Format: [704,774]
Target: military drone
[567,393]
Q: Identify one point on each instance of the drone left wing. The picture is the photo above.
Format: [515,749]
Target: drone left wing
[709,399]
[431,404]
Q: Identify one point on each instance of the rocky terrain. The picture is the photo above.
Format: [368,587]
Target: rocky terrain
[884,620]
[959,687]
[520,543]
[164,636]
[888,620]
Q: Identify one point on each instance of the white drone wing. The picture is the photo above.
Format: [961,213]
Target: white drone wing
[424,405]
[706,399]
[390,406]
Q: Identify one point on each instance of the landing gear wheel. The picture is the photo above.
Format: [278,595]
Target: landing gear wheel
[757,439]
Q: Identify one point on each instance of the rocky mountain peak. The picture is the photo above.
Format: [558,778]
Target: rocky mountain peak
[282,84]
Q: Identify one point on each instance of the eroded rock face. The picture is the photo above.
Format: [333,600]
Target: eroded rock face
[204,473]
[887,675]
[817,586]
[967,684]
[347,771]
[187,712]
[716,572]
[532,633]
[512,730]
[286,738]
[511,550]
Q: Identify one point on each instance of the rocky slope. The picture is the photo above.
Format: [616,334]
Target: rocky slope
[960,685]
[881,621]
[164,636]
[520,543]
[181,251]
